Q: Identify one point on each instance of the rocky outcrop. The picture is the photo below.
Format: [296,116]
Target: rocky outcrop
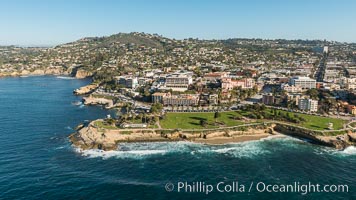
[351,137]
[85,89]
[90,100]
[55,71]
[93,137]
[340,141]
[81,73]
[38,72]
[25,73]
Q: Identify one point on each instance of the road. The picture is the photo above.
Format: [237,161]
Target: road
[320,72]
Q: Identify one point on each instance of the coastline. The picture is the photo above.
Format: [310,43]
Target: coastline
[75,72]
[235,139]
[94,137]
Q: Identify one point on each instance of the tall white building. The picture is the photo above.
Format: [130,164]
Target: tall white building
[326,49]
[304,82]
[308,105]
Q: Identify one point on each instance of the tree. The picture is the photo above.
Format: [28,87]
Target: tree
[216,115]
[203,122]
[111,121]
[140,117]
[313,93]
[156,108]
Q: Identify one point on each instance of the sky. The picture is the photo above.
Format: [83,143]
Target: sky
[52,22]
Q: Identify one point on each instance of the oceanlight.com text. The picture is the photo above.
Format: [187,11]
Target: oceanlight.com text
[237,187]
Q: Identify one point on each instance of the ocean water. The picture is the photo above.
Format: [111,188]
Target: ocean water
[38,162]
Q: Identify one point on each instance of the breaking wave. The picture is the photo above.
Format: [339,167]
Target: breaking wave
[65,77]
[351,150]
[248,149]
[120,154]
[143,150]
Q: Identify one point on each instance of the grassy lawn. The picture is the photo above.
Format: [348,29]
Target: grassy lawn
[312,121]
[102,96]
[321,123]
[192,120]
[102,124]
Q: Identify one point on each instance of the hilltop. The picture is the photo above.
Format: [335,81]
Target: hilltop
[104,57]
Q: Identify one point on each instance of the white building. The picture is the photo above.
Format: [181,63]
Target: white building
[308,105]
[326,49]
[304,82]
[178,81]
[128,81]
[292,88]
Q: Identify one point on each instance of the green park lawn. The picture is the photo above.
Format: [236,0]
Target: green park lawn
[312,121]
[321,123]
[103,124]
[192,120]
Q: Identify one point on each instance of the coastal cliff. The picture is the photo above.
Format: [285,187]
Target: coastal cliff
[76,72]
[80,73]
[37,72]
[94,137]
[336,139]
[85,89]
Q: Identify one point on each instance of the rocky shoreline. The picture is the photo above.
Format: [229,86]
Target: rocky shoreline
[340,141]
[76,72]
[85,89]
[93,137]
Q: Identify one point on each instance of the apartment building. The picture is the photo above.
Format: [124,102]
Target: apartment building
[178,81]
[292,88]
[303,82]
[308,105]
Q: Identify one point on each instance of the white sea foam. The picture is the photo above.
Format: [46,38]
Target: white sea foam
[143,150]
[77,103]
[351,150]
[243,150]
[94,153]
[139,150]
[272,137]
[65,77]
